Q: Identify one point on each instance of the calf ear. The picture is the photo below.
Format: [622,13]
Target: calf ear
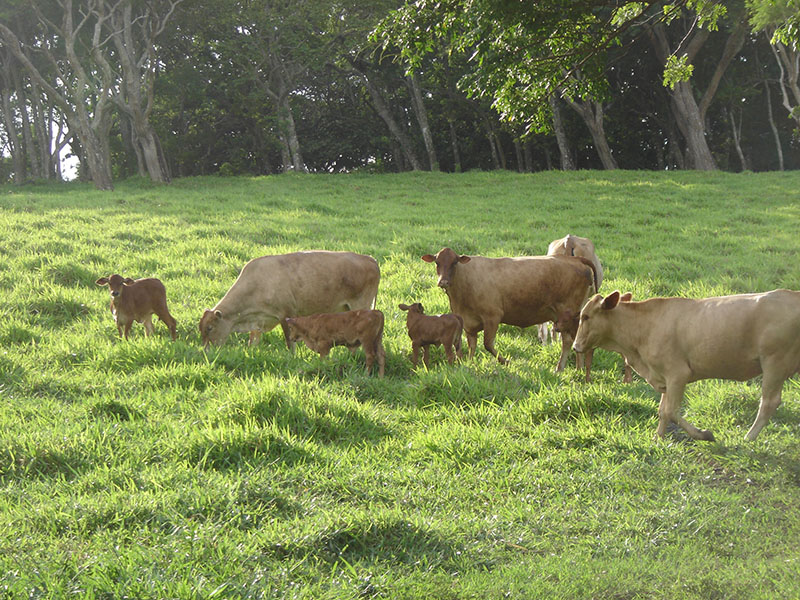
[218,314]
[428,257]
[102,281]
[611,300]
[464,258]
[626,297]
[403,306]
[128,281]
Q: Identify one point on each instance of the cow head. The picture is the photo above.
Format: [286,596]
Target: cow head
[115,283]
[412,308]
[214,328]
[446,261]
[594,322]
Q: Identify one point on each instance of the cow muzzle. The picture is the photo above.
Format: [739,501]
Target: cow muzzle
[444,283]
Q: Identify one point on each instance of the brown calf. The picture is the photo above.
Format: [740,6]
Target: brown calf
[569,321]
[352,329]
[138,301]
[427,330]
[674,341]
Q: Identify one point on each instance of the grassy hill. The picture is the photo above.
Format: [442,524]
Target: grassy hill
[153,469]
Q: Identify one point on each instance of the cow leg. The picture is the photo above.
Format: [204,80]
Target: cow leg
[771,388]
[489,333]
[566,344]
[381,357]
[426,355]
[126,329]
[472,342]
[289,342]
[370,354]
[588,356]
[628,376]
[669,412]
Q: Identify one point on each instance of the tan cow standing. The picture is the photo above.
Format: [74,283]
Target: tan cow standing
[674,341]
[271,288]
[521,291]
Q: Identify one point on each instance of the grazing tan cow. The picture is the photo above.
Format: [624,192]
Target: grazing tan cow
[138,301]
[674,341]
[432,330]
[351,329]
[521,291]
[572,245]
[569,322]
[271,288]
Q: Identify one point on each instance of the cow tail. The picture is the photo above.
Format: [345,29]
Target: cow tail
[590,264]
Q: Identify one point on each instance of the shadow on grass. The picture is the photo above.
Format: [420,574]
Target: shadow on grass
[20,463]
[235,451]
[395,541]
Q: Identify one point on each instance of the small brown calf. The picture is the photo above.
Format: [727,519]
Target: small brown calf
[569,321]
[137,301]
[351,328]
[427,330]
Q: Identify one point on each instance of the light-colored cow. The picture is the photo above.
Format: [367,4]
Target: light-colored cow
[572,245]
[674,341]
[271,288]
[520,291]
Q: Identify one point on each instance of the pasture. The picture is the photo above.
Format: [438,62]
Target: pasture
[152,469]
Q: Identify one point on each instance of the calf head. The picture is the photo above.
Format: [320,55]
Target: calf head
[594,321]
[115,283]
[214,328]
[294,331]
[446,261]
[412,308]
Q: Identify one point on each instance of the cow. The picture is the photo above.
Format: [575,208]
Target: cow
[569,322]
[520,291]
[271,288]
[572,245]
[674,341]
[137,301]
[354,328]
[427,330]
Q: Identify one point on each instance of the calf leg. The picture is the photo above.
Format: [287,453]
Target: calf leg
[126,327]
[628,376]
[255,337]
[771,387]
[169,321]
[426,355]
[414,354]
[448,352]
[148,325]
[289,342]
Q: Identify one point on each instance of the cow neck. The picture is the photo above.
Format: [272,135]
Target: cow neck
[626,319]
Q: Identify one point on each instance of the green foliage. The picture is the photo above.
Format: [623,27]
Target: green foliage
[148,468]
[676,70]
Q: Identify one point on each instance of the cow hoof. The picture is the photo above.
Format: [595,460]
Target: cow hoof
[707,436]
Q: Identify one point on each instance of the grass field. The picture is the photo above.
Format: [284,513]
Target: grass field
[150,469]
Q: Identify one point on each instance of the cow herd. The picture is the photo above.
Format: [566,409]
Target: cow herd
[328,298]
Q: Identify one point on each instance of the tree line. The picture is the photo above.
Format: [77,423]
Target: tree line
[174,88]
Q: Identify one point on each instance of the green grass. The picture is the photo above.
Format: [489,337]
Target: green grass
[150,469]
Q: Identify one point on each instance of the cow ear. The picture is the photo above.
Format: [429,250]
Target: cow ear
[218,314]
[421,308]
[128,281]
[626,297]
[428,257]
[403,306]
[611,300]
[102,281]
[464,258]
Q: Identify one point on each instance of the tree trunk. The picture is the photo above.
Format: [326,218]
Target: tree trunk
[736,132]
[789,64]
[454,146]
[567,164]
[385,114]
[528,153]
[290,131]
[422,118]
[592,115]
[692,126]
[773,127]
